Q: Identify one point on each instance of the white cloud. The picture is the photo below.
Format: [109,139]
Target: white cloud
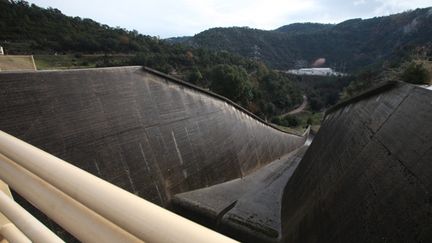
[394,6]
[187,17]
[255,13]
[359,2]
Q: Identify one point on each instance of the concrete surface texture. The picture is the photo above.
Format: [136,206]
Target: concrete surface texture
[248,208]
[143,131]
[367,175]
[17,63]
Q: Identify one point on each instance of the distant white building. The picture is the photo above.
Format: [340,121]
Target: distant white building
[1,50]
[315,71]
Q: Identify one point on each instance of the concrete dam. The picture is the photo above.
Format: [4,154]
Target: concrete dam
[365,176]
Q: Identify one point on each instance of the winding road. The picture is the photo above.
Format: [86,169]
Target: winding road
[298,109]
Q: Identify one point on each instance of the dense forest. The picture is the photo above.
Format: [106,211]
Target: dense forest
[348,46]
[236,62]
[414,67]
[29,29]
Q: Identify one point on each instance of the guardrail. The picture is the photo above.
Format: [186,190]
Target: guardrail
[91,209]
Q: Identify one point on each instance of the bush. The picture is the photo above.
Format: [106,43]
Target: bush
[276,120]
[290,121]
[232,82]
[416,74]
[287,121]
[194,76]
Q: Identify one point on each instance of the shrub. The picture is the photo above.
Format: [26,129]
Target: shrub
[290,121]
[415,73]
[287,121]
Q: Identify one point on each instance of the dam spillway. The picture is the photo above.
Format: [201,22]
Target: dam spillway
[367,175]
[148,133]
[364,178]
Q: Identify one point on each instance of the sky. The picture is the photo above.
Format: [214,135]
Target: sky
[171,18]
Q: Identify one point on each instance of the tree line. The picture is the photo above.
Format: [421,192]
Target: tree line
[29,29]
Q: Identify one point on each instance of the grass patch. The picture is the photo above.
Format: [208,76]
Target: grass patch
[70,61]
[303,120]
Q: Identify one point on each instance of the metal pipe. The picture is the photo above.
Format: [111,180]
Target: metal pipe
[28,224]
[5,188]
[145,220]
[9,229]
[74,217]
[12,234]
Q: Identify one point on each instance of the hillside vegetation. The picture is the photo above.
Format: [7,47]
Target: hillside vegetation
[415,68]
[235,62]
[59,41]
[347,46]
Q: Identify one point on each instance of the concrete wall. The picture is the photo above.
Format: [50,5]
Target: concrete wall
[367,176]
[143,131]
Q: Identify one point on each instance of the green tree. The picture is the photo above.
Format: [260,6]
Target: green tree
[231,82]
[195,76]
[287,121]
[290,121]
[416,73]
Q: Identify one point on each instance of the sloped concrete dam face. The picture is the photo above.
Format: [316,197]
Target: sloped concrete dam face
[150,134]
[367,176]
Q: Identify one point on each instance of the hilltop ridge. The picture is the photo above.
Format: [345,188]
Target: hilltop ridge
[348,45]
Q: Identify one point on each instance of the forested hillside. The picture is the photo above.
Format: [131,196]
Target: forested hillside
[29,29]
[303,28]
[234,61]
[347,46]
[415,67]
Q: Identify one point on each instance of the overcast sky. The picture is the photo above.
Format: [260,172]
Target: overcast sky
[188,17]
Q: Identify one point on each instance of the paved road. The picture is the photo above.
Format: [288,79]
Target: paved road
[298,109]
